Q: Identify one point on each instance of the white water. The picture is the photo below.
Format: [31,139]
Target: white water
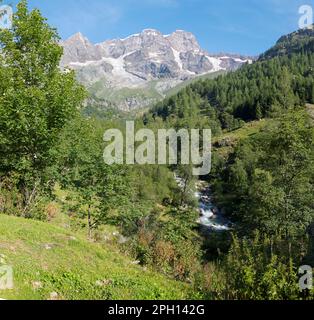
[210,217]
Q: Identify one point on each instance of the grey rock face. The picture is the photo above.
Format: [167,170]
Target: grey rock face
[183,41]
[196,63]
[79,49]
[230,63]
[112,48]
[149,65]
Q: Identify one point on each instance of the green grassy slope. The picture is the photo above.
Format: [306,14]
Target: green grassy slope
[51,262]
[225,143]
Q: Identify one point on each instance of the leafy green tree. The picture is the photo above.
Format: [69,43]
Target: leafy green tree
[37,99]
[187,187]
[81,167]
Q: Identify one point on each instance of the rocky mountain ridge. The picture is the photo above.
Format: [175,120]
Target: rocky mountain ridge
[148,61]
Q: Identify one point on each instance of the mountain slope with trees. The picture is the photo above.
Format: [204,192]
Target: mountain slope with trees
[262,89]
[263,179]
[299,41]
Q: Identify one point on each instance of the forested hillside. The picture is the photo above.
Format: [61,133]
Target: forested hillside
[296,42]
[264,89]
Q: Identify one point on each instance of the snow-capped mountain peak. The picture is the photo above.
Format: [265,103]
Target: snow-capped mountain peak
[140,58]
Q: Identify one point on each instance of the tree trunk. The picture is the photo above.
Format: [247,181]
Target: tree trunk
[183,193]
[89,218]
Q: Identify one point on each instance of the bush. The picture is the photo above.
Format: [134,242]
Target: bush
[256,270]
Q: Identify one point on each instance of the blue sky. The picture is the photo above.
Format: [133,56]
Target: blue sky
[235,26]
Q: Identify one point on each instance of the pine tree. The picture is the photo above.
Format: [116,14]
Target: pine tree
[259,112]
